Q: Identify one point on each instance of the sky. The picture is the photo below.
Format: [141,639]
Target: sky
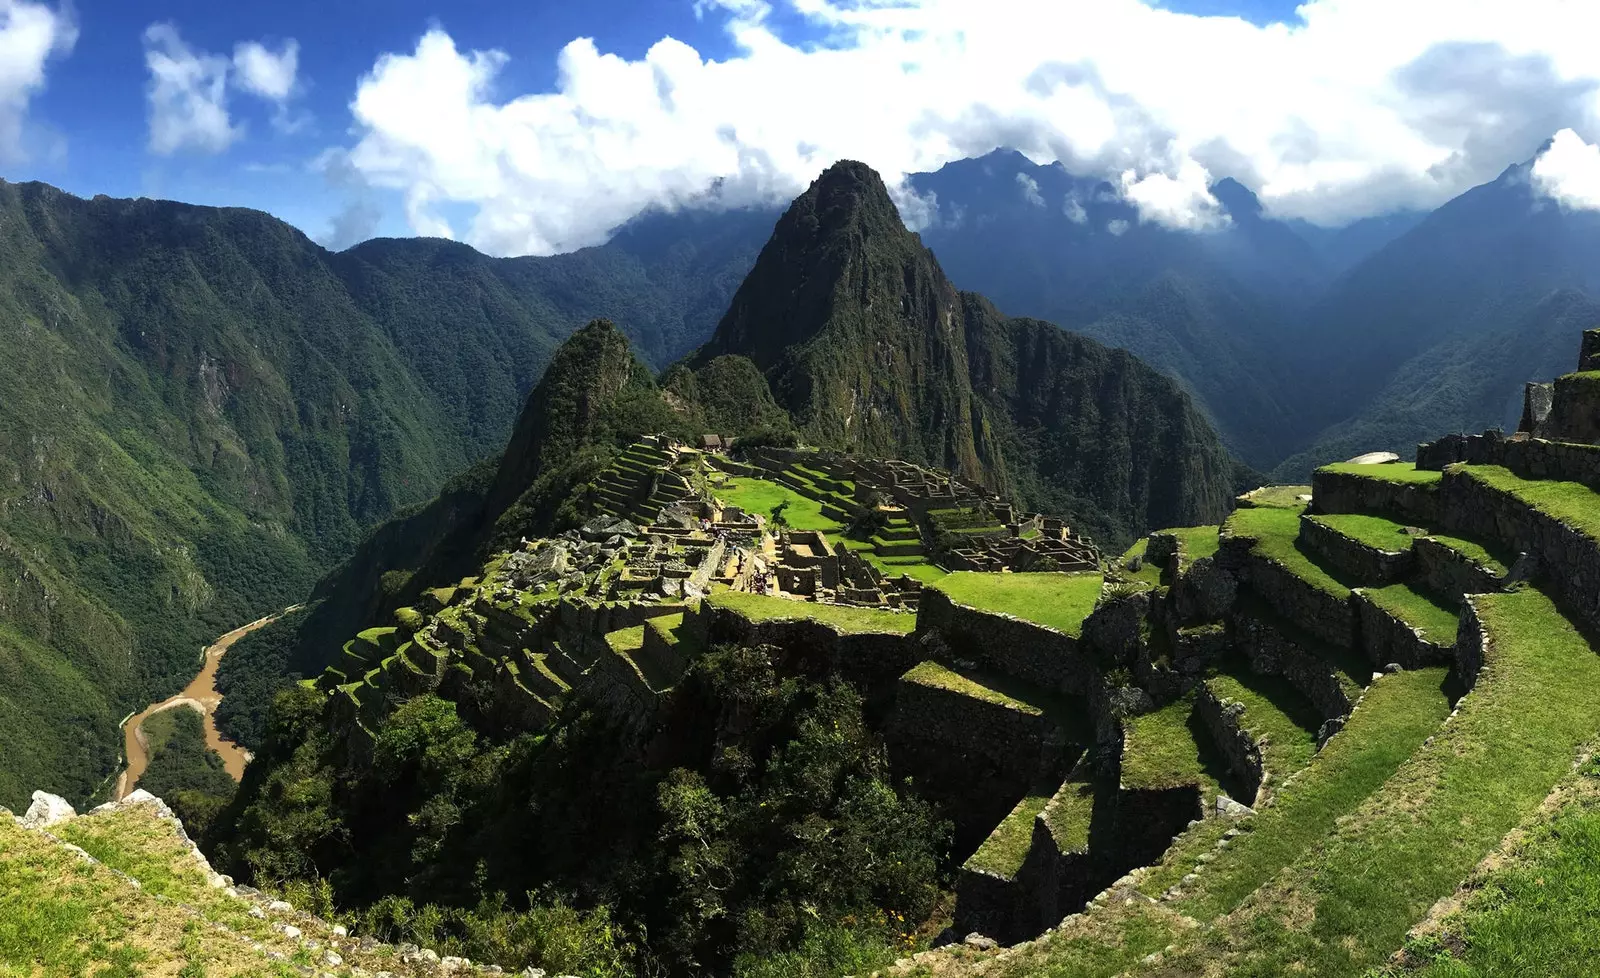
[539,126]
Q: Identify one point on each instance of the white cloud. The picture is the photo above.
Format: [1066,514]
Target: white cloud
[1072,207]
[1354,107]
[1181,201]
[1569,172]
[1030,189]
[187,93]
[30,35]
[1117,226]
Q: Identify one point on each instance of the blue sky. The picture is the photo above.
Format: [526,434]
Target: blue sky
[466,126]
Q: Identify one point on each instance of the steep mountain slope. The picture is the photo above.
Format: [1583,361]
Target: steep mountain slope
[205,410]
[868,345]
[1481,277]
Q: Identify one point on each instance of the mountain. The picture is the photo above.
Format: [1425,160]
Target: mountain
[205,411]
[1438,330]
[870,348]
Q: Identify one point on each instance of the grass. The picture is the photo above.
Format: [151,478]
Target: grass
[1572,503]
[1475,552]
[1374,531]
[762,607]
[1420,610]
[1059,601]
[1168,748]
[1004,851]
[759,497]
[1278,497]
[974,685]
[1274,710]
[1538,912]
[1399,472]
[1070,815]
[1397,714]
[1197,541]
[1147,573]
[1345,904]
[626,640]
[1276,532]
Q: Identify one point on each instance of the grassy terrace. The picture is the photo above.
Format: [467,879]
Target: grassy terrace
[762,607]
[626,640]
[1475,552]
[1003,852]
[1538,912]
[997,689]
[1169,748]
[1275,710]
[1348,902]
[1069,816]
[1276,532]
[1147,573]
[1573,503]
[1397,714]
[1401,472]
[1418,609]
[1059,601]
[1197,541]
[1277,497]
[1374,531]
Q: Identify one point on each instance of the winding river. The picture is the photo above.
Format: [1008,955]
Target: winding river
[200,695]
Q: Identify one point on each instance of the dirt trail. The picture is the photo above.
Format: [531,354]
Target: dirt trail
[200,695]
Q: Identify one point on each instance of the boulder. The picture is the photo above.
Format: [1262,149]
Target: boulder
[1374,458]
[47,810]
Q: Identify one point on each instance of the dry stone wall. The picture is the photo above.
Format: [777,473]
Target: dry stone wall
[1033,653]
[1273,653]
[1365,563]
[1386,639]
[1452,574]
[1224,719]
[1341,492]
[1327,616]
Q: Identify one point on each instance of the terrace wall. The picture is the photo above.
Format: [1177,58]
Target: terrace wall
[1026,650]
[1366,563]
[1386,639]
[1341,492]
[1324,615]
[1225,722]
[1274,654]
[1452,574]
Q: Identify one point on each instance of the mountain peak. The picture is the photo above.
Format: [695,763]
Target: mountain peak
[1237,199]
[848,192]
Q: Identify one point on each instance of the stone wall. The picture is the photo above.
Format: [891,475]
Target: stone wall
[1147,820]
[1386,639]
[1537,402]
[1204,591]
[1340,492]
[1572,558]
[1025,650]
[1225,720]
[1471,644]
[872,661]
[1451,573]
[1273,653]
[1324,615]
[1528,458]
[1575,410]
[1367,564]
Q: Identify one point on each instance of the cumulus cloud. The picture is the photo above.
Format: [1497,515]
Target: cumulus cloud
[1568,172]
[30,35]
[271,75]
[1072,207]
[187,94]
[1350,108]
[1030,189]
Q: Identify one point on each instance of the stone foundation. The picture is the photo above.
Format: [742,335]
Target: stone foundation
[1367,564]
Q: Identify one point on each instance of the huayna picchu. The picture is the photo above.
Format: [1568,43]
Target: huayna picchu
[825,652]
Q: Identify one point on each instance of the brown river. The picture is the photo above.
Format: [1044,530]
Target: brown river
[200,695]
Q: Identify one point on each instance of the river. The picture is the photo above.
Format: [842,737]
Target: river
[200,695]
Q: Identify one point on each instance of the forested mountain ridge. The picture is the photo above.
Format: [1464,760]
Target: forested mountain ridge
[869,346]
[205,410]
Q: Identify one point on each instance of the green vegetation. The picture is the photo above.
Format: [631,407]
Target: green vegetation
[1007,846]
[1408,845]
[1276,533]
[1538,911]
[1197,541]
[1280,497]
[1401,472]
[1276,712]
[763,607]
[1418,609]
[183,770]
[1573,503]
[1070,815]
[762,496]
[989,689]
[1168,748]
[1374,531]
[1476,552]
[1059,601]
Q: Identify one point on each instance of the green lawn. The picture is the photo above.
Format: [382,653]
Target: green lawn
[1419,610]
[1538,913]
[758,496]
[1147,573]
[1003,852]
[1475,552]
[1281,497]
[1276,711]
[1573,503]
[763,607]
[1347,903]
[1276,533]
[1374,531]
[1402,472]
[1197,541]
[1169,748]
[1059,601]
